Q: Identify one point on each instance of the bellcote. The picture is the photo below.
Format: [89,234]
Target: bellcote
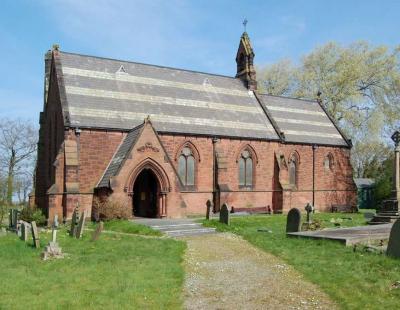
[244,61]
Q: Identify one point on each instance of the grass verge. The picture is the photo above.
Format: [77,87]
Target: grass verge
[128,227]
[355,280]
[115,272]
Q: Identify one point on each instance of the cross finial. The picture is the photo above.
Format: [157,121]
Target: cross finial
[245,24]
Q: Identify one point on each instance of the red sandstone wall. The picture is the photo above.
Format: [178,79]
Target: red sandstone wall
[96,149]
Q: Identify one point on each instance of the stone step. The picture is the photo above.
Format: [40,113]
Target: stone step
[376,223]
[190,232]
[175,226]
[388,213]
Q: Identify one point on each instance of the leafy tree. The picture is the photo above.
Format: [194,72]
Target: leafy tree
[359,85]
[18,141]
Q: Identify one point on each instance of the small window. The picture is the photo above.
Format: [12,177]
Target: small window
[293,170]
[186,167]
[245,169]
[329,162]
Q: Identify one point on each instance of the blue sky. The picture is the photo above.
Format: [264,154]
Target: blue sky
[198,35]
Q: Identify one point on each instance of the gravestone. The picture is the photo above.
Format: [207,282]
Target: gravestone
[309,208]
[3,232]
[209,206]
[393,248]
[13,219]
[53,249]
[81,226]
[35,235]
[18,228]
[293,220]
[74,222]
[24,226]
[97,232]
[224,216]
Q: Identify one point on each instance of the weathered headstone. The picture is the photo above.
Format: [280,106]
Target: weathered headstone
[209,206]
[293,220]
[81,226]
[18,228]
[74,222]
[13,219]
[97,232]
[35,235]
[3,232]
[309,208]
[53,249]
[24,226]
[224,216]
[393,248]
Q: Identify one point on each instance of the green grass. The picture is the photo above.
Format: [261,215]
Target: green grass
[115,272]
[355,280]
[128,227]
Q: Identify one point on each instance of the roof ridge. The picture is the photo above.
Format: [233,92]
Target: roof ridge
[151,65]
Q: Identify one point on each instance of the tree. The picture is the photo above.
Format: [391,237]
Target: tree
[278,79]
[18,141]
[359,86]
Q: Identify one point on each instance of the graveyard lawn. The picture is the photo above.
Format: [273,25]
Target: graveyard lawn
[115,272]
[355,280]
[128,227]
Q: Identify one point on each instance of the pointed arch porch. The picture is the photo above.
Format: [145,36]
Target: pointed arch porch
[161,177]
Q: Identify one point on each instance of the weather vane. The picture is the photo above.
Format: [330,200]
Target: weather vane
[245,24]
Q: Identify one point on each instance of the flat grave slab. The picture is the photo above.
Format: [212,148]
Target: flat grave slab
[350,235]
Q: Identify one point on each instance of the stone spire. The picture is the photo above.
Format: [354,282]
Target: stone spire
[244,61]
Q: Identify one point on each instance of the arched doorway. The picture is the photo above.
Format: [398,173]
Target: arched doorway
[146,190]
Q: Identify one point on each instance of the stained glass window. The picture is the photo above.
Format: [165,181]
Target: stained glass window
[293,163]
[186,167]
[245,169]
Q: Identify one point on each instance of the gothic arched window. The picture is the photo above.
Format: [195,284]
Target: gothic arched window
[186,166]
[329,162]
[245,169]
[293,170]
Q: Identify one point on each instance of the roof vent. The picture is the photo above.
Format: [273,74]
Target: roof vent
[121,70]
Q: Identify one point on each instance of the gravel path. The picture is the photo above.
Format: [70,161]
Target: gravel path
[223,271]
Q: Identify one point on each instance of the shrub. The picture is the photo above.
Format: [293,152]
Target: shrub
[30,214]
[108,209]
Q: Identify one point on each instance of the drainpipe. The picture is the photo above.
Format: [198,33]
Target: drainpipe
[313,175]
[214,141]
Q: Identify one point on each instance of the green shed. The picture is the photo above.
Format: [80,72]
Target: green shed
[365,193]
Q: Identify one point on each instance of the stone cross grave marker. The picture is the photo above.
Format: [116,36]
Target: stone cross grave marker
[81,226]
[393,248]
[224,216]
[97,232]
[74,222]
[35,235]
[293,220]
[53,249]
[309,209]
[54,230]
[24,231]
[209,206]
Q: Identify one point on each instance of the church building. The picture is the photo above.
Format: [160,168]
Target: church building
[162,141]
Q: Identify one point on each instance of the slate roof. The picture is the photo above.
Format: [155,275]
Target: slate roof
[120,155]
[303,121]
[115,94]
